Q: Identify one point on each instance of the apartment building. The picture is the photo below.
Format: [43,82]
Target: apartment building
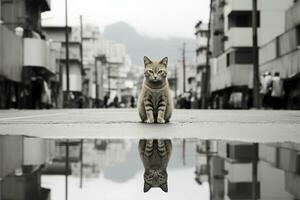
[105,64]
[201,52]
[282,54]
[231,41]
[57,35]
[27,66]
[21,163]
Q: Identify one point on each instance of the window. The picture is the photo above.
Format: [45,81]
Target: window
[239,56]
[227,59]
[244,56]
[242,190]
[242,19]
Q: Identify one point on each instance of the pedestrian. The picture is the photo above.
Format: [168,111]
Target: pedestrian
[116,102]
[132,102]
[266,89]
[277,91]
[105,100]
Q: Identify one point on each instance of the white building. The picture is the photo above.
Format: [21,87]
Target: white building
[281,54]
[231,62]
[201,51]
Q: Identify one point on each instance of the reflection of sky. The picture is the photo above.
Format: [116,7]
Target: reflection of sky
[181,186]
[126,170]
[124,180]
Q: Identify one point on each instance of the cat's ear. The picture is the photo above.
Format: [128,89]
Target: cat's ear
[164,187]
[147,60]
[164,61]
[146,187]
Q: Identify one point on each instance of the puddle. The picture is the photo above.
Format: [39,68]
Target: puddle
[33,168]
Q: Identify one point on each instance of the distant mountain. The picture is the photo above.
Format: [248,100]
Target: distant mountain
[139,45]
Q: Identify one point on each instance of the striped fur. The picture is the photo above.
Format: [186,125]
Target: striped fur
[155,155]
[155,101]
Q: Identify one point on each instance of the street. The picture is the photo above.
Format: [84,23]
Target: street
[241,125]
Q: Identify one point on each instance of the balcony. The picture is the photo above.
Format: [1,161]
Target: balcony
[239,37]
[268,153]
[234,75]
[237,5]
[239,172]
[202,42]
[10,58]
[37,53]
[37,151]
[10,154]
[25,151]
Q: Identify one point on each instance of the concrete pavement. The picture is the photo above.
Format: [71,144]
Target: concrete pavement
[242,125]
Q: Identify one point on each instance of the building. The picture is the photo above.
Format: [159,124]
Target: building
[231,41]
[277,171]
[20,174]
[57,35]
[105,65]
[201,53]
[27,67]
[282,54]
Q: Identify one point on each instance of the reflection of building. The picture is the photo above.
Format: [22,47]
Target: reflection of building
[25,56]
[231,62]
[282,55]
[99,154]
[278,171]
[21,161]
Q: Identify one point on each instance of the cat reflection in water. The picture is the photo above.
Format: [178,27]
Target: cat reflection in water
[155,155]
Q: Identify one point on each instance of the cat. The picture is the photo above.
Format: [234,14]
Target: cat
[155,102]
[155,155]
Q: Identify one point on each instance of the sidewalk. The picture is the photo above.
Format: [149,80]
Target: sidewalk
[242,125]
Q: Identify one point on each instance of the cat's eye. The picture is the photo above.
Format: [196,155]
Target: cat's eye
[151,71]
[160,71]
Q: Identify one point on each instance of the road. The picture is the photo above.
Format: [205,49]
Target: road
[242,125]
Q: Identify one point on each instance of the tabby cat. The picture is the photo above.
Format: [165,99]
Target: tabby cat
[155,155]
[155,101]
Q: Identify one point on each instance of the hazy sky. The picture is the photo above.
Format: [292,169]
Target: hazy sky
[157,18]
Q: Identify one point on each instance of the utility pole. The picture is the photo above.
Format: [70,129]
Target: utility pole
[254,171]
[206,71]
[81,46]
[68,94]
[81,163]
[82,74]
[176,82]
[96,82]
[207,144]
[67,168]
[67,55]
[255,56]
[108,77]
[183,66]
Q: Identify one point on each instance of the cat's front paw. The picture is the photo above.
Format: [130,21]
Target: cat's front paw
[149,121]
[160,120]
